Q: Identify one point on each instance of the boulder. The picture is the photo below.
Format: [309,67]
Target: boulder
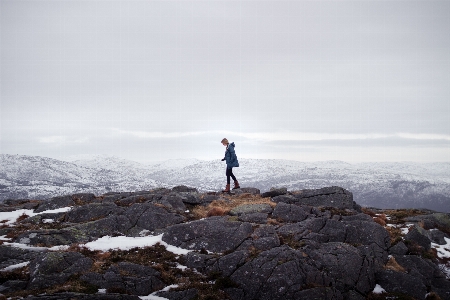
[398,249]
[54,268]
[398,282]
[418,235]
[11,255]
[54,203]
[275,192]
[179,295]
[151,217]
[215,234]
[251,208]
[250,190]
[329,197]
[184,189]
[92,212]
[290,213]
[437,236]
[258,218]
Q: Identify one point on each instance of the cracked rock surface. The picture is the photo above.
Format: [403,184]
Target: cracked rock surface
[307,244]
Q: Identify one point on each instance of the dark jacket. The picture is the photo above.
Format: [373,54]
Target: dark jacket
[230,157]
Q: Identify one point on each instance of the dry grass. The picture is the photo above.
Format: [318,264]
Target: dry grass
[22,217]
[393,265]
[368,212]
[222,206]
[395,234]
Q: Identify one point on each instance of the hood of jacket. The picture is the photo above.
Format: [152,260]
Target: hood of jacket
[232,145]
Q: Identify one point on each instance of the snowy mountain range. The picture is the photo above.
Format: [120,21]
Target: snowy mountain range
[382,185]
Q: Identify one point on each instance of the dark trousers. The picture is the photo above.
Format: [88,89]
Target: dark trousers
[230,173]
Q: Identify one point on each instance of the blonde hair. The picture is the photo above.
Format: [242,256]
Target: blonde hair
[224,141]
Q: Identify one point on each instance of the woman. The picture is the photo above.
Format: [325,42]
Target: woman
[232,161]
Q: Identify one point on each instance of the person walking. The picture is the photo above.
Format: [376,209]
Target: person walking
[232,161]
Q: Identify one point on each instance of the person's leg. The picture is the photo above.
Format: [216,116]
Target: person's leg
[232,175]
[228,173]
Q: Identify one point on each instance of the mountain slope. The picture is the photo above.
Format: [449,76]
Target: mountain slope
[383,185]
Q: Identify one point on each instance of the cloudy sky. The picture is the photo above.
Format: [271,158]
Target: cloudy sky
[155,80]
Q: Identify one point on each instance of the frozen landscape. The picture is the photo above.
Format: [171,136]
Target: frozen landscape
[381,185]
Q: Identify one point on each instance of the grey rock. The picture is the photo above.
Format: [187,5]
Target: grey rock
[258,218]
[53,268]
[251,208]
[227,264]
[420,268]
[139,279]
[54,203]
[172,201]
[112,198]
[274,192]
[319,293]
[362,232]
[435,219]
[250,190]
[48,238]
[112,226]
[215,234]
[11,255]
[441,286]
[91,212]
[183,188]
[79,296]
[55,217]
[437,236]
[191,198]
[281,272]
[151,217]
[13,286]
[179,295]
[418,235]
[398,282]
[329,197]
[398,249]
[265,238]
[130,200]
[83,198]
[290,213]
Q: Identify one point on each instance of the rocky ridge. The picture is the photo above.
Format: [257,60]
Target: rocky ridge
[280,244]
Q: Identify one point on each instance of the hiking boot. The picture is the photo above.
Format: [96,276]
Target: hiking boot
[236,185]
[227,189]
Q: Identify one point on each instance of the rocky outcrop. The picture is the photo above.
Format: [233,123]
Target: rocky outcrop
[307,244]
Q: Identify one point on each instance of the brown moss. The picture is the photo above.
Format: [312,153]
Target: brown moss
[380,221]
[216,211]
[368,212]
[393,265]
[395,234]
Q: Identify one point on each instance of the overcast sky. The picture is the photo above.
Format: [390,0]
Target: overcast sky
[156,80]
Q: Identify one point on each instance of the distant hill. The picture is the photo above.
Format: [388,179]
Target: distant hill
[383,185]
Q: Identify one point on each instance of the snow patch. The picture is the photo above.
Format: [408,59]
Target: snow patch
[153,296]
[126,243]
[16,266]
[443,251]
[11,216]
[378,289]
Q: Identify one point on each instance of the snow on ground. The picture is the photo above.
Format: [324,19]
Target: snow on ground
[378,289]
[11,216]
[153,296]
[406,230]
[443,251]
[126,243]
[16,266]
